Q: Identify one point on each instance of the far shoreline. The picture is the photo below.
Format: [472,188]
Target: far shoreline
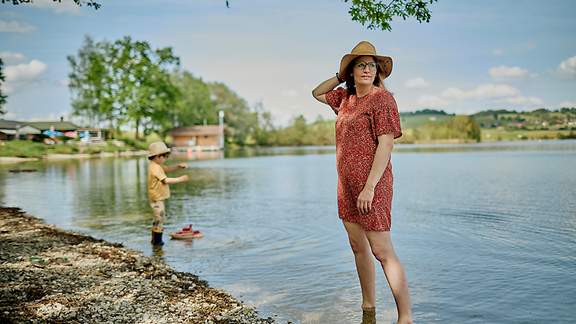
[77,156]
[4,160]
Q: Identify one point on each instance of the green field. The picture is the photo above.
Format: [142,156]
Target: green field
[493,135]
[421,120]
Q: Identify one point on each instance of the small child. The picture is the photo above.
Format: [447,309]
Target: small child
[158,186]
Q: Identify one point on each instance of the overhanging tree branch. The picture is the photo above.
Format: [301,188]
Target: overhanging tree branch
[377,14]
[89,3]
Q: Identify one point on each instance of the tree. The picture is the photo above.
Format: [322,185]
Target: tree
[241,121]
[375,14]
[124,82]
[194,105]
[144,93]
[265,132]
[2,97]
[464,127]
[90,83]
[378,14]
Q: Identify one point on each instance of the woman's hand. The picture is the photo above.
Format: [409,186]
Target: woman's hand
[364,201]
[182,166]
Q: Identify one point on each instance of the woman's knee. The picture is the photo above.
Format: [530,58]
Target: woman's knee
[383,255]
[359,247]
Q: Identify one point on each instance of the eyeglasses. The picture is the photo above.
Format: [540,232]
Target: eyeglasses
[362,65]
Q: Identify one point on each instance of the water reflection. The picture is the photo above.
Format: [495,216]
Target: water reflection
[550,145]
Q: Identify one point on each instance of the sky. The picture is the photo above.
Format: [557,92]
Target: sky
[473,55]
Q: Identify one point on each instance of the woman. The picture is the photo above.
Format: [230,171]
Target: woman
[366,126]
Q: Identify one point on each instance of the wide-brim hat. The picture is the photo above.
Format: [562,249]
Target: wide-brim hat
[157,148]
[362,49]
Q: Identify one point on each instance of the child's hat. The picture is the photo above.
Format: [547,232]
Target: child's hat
[157,148]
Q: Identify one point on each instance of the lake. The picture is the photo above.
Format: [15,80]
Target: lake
[486,232]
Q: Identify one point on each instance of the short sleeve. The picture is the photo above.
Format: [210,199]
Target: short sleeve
[158,172]
[385,116]
[334,98]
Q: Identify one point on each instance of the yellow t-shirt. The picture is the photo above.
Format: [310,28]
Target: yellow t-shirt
[157,190]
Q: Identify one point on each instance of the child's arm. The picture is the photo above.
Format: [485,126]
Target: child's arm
[170,168]
[182,178]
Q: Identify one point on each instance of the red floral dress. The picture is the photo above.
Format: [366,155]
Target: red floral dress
[359,123]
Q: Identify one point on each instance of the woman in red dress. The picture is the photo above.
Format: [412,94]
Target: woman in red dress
[366,125]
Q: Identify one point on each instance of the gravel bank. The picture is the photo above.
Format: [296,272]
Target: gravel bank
[51,275]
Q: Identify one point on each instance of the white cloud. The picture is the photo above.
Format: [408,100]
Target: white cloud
[568,67]
[483,91]
[454,93]
[487,91]
[20,75]
[432,101]
[416,83]
[13,26]
[11,57]
[524,101]
[503,71]
[567,104]
[497,93]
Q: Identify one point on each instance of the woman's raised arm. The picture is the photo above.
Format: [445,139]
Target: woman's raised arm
[320,91]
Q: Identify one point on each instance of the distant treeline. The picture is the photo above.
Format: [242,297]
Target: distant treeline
[426,112]
[430,125]
[538,119]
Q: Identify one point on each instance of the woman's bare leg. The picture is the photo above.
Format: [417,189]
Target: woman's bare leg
[364,263]
[382,248]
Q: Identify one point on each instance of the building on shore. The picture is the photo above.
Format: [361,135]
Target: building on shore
[14,130]
[48,130]
[64,127]
[197,138]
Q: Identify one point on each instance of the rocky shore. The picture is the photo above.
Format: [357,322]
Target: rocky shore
[51,275]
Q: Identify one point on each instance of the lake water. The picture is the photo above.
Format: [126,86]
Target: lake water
[486,233]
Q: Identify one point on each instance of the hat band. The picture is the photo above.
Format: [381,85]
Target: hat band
[366,53]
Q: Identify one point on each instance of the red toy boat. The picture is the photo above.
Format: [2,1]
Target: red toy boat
[186,232]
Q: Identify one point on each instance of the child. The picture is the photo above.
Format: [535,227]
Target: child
[158,186]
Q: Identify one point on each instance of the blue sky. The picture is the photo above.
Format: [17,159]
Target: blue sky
[473,55]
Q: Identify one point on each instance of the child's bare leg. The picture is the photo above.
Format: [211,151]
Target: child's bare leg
[158,222]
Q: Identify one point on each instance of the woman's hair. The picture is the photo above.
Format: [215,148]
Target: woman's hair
[350,86]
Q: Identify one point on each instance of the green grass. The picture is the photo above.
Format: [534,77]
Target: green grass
[421,120]
[29,149]
[22,149]
[491,135]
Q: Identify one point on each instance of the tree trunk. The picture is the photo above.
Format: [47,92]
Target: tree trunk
[112,133]
[137,128]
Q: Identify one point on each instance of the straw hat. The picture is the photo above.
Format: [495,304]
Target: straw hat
[365,48]
[157,148]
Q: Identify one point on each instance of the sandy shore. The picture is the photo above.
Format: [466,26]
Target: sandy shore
[75,156]
[13,159]
[51,275]
[94,155]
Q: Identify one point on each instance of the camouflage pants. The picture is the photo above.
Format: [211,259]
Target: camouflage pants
[159,215]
